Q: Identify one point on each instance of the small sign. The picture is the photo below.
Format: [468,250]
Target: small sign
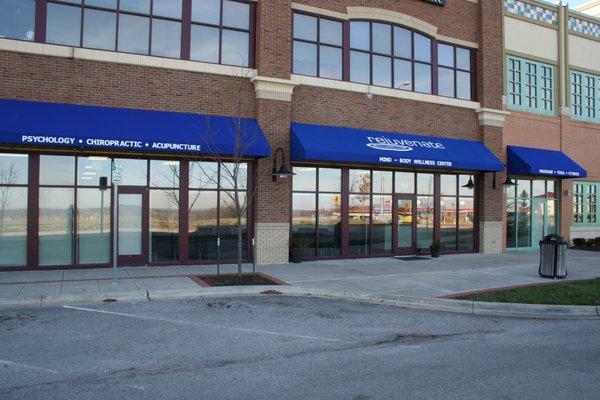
[117,173]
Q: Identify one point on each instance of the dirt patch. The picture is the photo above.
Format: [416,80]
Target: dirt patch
[258,279]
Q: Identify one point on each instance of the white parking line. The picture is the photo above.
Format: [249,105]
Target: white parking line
[6,362]
[175,321]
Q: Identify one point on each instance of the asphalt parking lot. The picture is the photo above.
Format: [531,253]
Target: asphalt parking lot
[278,347]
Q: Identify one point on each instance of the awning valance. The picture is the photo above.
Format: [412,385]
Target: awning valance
[92,127]
[531,161]
[348,145]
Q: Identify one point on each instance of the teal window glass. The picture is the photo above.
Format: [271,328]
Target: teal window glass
[585,97]
[585,203]
[530,86]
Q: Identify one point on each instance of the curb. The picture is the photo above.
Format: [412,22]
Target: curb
[431,304]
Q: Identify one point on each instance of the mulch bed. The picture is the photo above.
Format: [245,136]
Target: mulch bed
[247,279]
[586,249]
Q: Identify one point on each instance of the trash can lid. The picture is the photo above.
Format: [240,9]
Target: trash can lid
[554,239]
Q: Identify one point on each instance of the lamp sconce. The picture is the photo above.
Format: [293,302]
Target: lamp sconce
[470,185]
[508,182]
[283,171]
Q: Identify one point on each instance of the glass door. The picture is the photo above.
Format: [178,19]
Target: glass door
[405,216]
[538,221]
[133,226]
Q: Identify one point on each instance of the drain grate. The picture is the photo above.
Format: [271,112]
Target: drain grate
[413,258]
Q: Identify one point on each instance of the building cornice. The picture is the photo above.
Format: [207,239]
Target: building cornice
[273,88]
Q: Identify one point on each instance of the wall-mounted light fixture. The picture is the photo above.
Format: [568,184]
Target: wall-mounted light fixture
[283,171]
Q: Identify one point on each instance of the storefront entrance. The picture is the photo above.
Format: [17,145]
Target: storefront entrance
[133,226]
[405,225]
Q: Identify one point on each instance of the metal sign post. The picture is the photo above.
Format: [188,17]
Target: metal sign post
[117,173]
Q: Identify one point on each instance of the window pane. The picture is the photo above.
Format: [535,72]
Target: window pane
[462,181]
[164,173]
[208,11]
[63,24]
[164,225]
[524,188]
[305,58]
[17,19]
[422,78]
[448,185]
[382,71]
[360,67]
[402,74]
[359,181]
[405,182]
[359,221]
[102,3]
[134,34]
[130,224]
[93,226]
[13,169]
[381,234]
[13,226]
[330,225]
[382,181]
[422,48]
[305,179]
[463,59]
[511,222]
[524,224]
[539,188]
[204,44]
[90,169]
[235,48]
[330,180]
[425,212]
[99,29]
[330,31]
[463,85]
[466,224]
[359,35]
[166,38]
[202,225]
[139,6]
[56,226]
[305,27]
[135,172]
[382,38]
[236,15]
[330,62]
[446,82]
[304,217]
[57,170]
[402,42]
[167,8]
[550,189]
[448,223]
[425,183]
[445,55]
[228,175]
[204,175]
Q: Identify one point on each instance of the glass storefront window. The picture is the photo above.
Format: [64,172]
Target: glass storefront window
[164,225]
[425,220]
[57,170]
[135,172]
[381,231]
[204,175]
[228,229]
[466,224]
[56,226]
[425,184]
[304,220]
[13,225]
[229,172]
[404,182]
[202,225]
[448,222]
[13,169]
[17,19]
[382,181]
[93,226]
[360,181]
[448,185]
[164,173]
[330,224]
[359,221]
[90,169]
[330,180]
[305,179]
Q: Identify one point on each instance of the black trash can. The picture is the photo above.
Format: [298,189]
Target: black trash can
[553,257]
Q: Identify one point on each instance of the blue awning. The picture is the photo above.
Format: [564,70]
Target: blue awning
[347,145]
[92,127]
[530,161]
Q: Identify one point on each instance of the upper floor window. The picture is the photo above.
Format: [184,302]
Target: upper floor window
[317,49]
[585,97]
[217,31]
[454,71]
[530,86]
[17,19]
[390,56]
[144,26]
[220,32]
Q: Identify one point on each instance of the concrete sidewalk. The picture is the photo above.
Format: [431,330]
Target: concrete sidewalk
[426,278]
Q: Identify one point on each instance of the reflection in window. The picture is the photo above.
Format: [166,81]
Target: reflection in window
[134,34]
[13,225]
[228,228]
[317,47]
[454,71]
[359,221]
[17,19]
[202,225]
[93,226]
[91,169]
[100,29]
[166,38]
[164,225]
[135,172]
[164,173]
[425,220]
[56,226]
[57,170]
[63,24]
